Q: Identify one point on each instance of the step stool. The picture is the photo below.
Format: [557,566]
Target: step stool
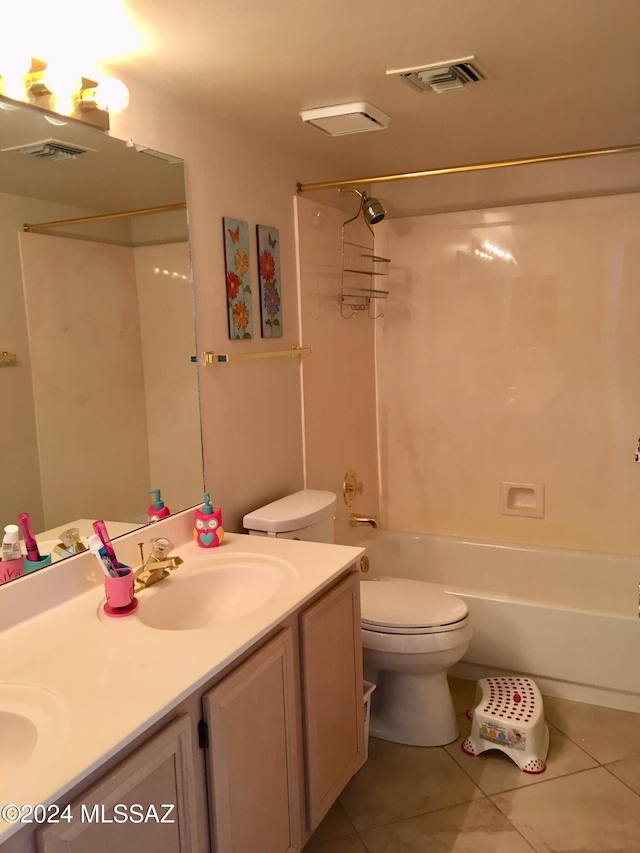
[508,715]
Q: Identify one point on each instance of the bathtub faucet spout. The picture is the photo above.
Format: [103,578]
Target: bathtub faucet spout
[356,520]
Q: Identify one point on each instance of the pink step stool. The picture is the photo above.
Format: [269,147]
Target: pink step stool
[508,714]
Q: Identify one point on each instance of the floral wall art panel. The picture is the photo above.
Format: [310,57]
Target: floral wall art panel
[238,278]
[269,276]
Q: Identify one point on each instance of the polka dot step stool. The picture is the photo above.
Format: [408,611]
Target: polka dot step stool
[508,715]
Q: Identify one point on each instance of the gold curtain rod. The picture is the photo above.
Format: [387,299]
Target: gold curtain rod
[476,167]
[101,217]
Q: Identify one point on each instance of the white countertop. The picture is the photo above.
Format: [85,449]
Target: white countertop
[110,679]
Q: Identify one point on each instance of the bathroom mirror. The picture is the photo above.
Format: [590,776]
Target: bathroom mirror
[97,341]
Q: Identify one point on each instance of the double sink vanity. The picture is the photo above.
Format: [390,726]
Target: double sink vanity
[224,715]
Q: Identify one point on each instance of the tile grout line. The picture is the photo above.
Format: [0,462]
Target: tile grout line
[585,750]
[441,809]
[482,796]
[611,773]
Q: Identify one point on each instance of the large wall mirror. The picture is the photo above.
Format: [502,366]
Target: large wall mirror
[98,371]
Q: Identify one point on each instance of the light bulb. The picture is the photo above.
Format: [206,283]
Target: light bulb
[15,64]
[61,80]
[63,104]
[111,95]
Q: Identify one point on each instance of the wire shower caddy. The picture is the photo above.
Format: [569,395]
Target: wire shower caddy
[358,260]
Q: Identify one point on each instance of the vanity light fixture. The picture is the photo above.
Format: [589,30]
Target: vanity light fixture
[61,90]
[110,95]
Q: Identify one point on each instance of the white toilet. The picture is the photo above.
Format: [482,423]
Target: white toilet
[412,632]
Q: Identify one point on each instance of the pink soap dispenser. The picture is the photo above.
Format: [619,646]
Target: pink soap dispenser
[157,510]
[208,530]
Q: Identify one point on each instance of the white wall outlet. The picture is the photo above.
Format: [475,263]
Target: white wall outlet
[522,499]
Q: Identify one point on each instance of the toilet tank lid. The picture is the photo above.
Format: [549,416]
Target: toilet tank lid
[292,512]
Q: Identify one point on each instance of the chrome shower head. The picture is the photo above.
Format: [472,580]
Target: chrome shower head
[372,210]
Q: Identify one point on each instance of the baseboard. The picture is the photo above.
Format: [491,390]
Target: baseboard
[553,687]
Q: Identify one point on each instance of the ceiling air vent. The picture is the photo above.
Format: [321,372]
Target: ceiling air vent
[50,149]
[441,76]
[346,118]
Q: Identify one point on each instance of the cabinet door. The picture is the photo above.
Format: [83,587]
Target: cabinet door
[116,814]
[332,695]
[253,754]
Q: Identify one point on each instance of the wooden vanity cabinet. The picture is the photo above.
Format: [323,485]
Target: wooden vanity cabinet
[115,815]
[251,764]
[253,753]
[269,725]
[331,651]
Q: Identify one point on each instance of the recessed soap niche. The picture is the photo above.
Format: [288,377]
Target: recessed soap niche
[522,499]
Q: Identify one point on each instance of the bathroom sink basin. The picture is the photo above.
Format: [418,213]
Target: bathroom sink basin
[31,723]
[18,738]
[213,590]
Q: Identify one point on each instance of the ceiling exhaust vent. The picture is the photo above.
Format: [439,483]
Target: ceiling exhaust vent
[441,76]
[51,149]
[346,118]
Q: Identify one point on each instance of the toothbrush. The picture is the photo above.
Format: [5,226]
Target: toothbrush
[101,529]
[97,549]
[33,553]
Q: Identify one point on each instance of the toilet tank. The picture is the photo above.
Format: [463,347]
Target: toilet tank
[307,515]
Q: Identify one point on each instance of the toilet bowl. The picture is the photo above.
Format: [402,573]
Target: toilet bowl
[412,632]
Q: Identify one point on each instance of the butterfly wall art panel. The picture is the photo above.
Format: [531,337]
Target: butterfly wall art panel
[269,277]
[238,278]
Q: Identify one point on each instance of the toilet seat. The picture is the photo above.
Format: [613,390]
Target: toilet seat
[402,606]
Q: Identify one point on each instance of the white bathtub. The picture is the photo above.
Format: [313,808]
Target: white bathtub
[567,618]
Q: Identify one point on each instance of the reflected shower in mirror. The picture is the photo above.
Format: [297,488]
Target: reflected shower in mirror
[99,382]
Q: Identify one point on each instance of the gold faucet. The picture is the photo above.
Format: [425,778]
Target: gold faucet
[157,566]
[356,520]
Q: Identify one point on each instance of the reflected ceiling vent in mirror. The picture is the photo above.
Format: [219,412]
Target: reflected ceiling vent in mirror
[440,76]
[50,149]
[343,119]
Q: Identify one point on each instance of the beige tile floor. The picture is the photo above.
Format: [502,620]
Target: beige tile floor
[439,800]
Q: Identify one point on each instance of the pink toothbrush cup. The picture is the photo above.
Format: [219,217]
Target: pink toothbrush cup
[11,569]
[120,590]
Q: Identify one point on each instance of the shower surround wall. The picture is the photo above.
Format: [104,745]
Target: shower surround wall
[20,465]
[523,370]
[133,393]
[88,384]
[338,379]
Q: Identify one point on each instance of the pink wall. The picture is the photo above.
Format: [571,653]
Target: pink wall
[251,412]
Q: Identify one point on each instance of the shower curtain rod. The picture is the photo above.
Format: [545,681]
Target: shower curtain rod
[101,217]
[476,167]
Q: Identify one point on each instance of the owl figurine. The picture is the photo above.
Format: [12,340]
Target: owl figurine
[208,530]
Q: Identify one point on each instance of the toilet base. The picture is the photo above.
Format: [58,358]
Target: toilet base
[413,709]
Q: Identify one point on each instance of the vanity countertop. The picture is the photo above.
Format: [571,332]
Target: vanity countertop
[108,680]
